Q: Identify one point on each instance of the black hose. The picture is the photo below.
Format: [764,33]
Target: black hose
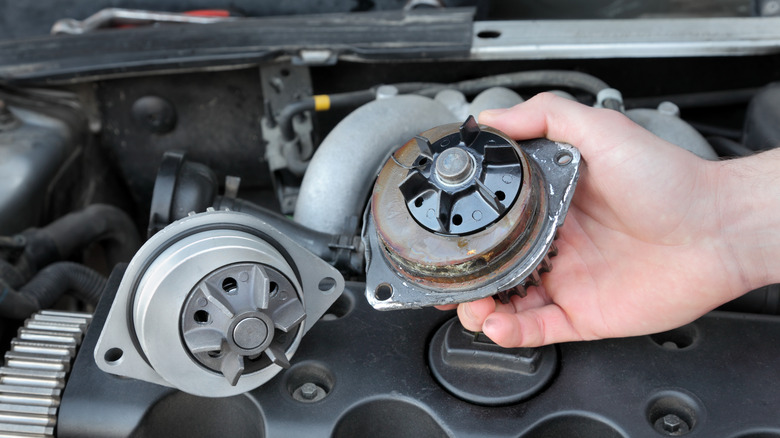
[75,231]
[48,286]
[10,275]
[527,79]
[349,99]
[726,147]
[292,109]
[719,131]
[696,100]
[340,251]
[523,79]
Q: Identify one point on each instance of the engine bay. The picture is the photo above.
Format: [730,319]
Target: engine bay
[236,221]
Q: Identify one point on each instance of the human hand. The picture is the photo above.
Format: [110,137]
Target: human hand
[647,245]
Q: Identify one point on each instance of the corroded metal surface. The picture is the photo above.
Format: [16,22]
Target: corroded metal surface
[412,266]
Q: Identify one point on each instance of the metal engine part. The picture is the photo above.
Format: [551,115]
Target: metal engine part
[215,305]
[35,372]
[334,189]
[464,212]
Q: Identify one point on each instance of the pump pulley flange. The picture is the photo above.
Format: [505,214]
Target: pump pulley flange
[464,212]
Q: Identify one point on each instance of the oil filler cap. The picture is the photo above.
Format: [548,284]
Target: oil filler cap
[473,368]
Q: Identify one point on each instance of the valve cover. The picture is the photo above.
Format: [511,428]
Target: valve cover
[464,212]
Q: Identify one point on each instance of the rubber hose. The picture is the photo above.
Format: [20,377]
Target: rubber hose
[534,78]
[48,286]
[339,100]
[10,275]
[727,147]
[75,231]
[705,99]
[315,241]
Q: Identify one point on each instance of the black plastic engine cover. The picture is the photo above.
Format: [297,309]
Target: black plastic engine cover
[720,375]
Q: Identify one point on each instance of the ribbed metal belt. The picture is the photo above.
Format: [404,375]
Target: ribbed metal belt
[35,372]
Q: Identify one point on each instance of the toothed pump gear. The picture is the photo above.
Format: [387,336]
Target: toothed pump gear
[464,212]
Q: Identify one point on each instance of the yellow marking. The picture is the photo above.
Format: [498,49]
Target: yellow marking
[321,102]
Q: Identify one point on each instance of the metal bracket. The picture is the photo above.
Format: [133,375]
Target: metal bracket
[282,84]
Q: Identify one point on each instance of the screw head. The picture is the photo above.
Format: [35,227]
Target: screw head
[308,391]
[671,423]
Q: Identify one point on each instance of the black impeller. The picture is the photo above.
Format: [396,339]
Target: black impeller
[463,182]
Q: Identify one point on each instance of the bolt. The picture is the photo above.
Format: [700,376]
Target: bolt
[770,8]
[454,166]
[309,391]
[671,423]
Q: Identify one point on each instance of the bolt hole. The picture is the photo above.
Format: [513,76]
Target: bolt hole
[681,412]
[318,379]
[383,292]
[457,220]
[563,158]
[327,285]
[273,289]
[340,308]
[500,195]
[677,339]
[418,202]
[423,161]
[113,355]
[230,285]
[284,72]
[215,354]
[489,34]
[202,317]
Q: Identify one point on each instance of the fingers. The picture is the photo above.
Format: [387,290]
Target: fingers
[446,307]
[530,328]
[544,115]
[473,314]
[560,119]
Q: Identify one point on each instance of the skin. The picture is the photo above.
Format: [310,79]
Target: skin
[655,236]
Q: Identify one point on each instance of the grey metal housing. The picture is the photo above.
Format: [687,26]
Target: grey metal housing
[141,337]
[341,172]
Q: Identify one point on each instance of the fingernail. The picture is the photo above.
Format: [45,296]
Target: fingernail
[494,112]
[490,324]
